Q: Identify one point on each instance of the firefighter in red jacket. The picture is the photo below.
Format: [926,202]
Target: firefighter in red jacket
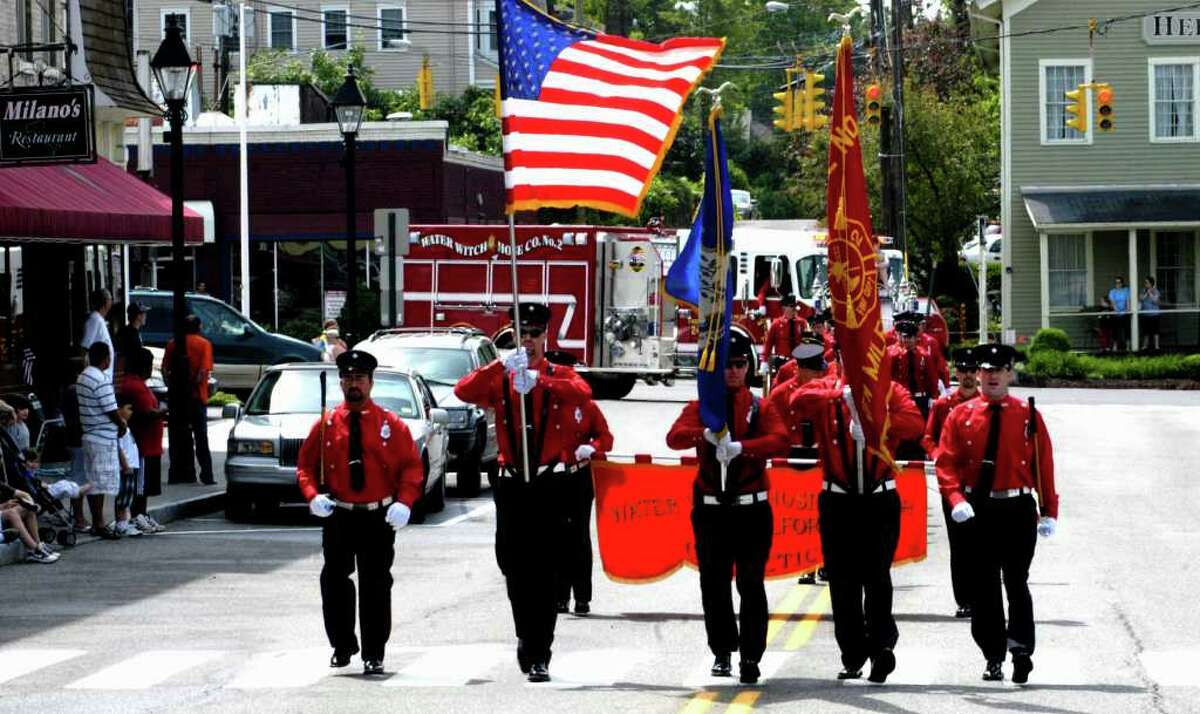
[731,517]
[527,504]
[820,326]
[784,333]
[965,370]
[588,438]
[994,456]
[913,367]
[859,530]
[360,471]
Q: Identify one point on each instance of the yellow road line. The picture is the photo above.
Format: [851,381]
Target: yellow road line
[790,606]
[743,702]
[805,628]
[700,703]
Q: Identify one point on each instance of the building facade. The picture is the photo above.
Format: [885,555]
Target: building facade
[1080,209]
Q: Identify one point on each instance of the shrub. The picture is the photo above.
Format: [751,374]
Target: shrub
[1051,339]
[1054,364]
[221,399]
[1191,366]
[1066,365]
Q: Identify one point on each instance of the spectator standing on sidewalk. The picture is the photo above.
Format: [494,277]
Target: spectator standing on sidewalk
[129,336]
[128,457]
[200,362]
[96,328]
[69,406]
[102,425]
[147,427]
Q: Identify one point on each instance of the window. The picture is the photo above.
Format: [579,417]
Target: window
[1173,95]
[178,18]
[1068,270]
[762,274]
[1058,78]
[487,39]
[810,273]
[282,30]
[393,31]
[219,322]
[1175,259]
[336,31]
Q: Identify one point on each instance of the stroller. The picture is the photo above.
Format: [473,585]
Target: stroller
[55,523]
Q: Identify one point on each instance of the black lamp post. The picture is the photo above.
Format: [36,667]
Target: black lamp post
[348,105]
[173,69]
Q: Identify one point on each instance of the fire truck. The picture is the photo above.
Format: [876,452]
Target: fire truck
[602,285]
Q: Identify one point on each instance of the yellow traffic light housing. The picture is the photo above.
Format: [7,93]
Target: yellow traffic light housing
[813,104]
[874,106]
[1077,107]
[1104,107]
[785,110]
[425,85]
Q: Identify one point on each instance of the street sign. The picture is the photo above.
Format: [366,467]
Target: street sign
[47,126]
[391,233]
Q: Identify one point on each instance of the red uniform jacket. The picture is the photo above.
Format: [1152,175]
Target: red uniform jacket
[937,417]
[391,464]
[925,377]
[964,440]
[585,424]
[558,388]
[937,355]
[747,473]
[821,401]
[783,335]
[781,400]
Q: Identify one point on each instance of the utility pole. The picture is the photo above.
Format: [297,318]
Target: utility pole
[879,47]
[900,233]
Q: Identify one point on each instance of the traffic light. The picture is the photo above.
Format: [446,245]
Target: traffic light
[813,104]
[425,85]
[1078,107]
[789,117]
[873,95]
[1104,110]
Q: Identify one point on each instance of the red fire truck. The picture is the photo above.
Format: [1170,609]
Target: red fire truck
[602,285]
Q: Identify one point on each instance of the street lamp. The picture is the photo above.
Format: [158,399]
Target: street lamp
[173,69]
[348,105]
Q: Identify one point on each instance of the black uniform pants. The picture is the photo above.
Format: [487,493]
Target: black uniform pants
[527,524]
[365,539]
[576,494]
[958,536]
[1003,536]
[729,537]
[858,541]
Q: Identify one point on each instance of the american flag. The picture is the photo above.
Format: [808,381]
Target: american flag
[588,117]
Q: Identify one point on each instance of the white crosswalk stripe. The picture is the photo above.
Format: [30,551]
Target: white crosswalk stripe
[916,666]
[593,668]
[18,663]
[283,669]
[1172,668]
[453,666]
[145,669]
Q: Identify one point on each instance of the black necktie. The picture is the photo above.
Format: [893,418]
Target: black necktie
[358,478]
[987,470]
[912,372]
[791,337]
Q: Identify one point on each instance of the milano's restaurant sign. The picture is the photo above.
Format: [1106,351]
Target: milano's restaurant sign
[1172,28]
[47,126]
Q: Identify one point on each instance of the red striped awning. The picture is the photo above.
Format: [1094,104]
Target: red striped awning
[89,203]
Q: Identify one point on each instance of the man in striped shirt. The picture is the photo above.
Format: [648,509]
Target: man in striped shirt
[101,425]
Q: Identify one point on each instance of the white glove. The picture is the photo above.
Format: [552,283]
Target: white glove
[1047,526]
[516,362]
[584,452]
[525,380]
[761,311]
[397,515]
[962,513]
[728,451]
[711,438]
[941,389]
[321,506]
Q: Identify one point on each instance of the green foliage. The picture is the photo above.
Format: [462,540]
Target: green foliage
[1067,365]
[1050,339]
[472,119]
[1057,365]
[305,326]
[221,399]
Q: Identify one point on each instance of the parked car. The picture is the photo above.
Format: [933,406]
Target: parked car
[991,248]
[743,202]
[264,443]
[443,356]
[241,349]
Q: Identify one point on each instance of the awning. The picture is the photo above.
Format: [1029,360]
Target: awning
[1112,207]
[90,203]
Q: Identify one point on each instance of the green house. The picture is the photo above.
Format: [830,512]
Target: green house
[1081,208]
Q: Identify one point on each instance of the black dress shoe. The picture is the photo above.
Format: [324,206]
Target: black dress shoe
[340,659]
[848,673]
[539,672]
[563,607]
[963,612]
[582,608]
[1022,666]
[807,579]
[721,666]
[750,671]
[882,665]
[372,666]
[994,671]
[822,576]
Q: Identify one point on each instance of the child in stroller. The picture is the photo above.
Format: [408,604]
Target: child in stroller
[54,519]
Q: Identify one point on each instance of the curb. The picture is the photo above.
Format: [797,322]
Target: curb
[1160,384]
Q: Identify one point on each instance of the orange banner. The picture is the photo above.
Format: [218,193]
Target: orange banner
[643,518]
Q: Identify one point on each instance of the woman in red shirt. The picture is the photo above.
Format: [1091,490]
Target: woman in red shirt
[147,427]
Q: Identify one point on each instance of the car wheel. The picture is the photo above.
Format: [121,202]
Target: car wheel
[436,499]
[467,475]
[238,505]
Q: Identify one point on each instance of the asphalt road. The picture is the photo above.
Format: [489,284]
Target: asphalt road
[220,617]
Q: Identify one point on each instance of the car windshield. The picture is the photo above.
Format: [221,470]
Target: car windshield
[298,391]
[439,365]
[740,196]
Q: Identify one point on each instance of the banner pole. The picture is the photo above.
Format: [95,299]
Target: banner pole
[512,243]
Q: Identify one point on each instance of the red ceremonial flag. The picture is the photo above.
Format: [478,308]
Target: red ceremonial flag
[853,275]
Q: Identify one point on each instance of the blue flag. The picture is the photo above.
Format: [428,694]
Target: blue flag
[712,270]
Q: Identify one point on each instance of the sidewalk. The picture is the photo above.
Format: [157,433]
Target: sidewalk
[178,501]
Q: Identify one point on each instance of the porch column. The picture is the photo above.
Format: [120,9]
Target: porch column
[1044,272]
[1135,283]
